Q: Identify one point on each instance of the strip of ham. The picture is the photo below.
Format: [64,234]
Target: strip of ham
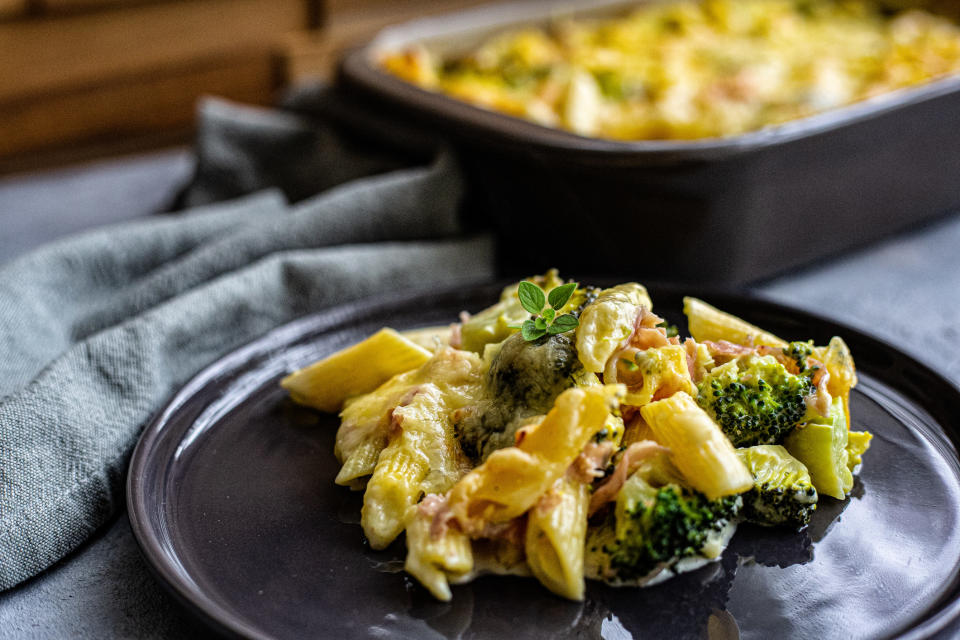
[434,507]
[722,351]
[645,335]
[629,461]
[696,373]
[456,335]
[591,462]
[456,332]
[396,422]
[821,400]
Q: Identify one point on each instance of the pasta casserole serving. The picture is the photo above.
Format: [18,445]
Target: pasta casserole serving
[688,69]
[568,432]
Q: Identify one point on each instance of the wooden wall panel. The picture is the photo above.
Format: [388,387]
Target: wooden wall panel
[10,8]
[165,99]
[54,6]
[43,55]
[82,75]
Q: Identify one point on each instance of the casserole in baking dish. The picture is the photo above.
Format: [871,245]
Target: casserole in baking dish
[731,209]
[691,68]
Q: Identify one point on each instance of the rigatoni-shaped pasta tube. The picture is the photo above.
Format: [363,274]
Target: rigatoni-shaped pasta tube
[659,371]
[698,447]
[607,322]
[709,323]
[422,458]
[434,558]
[393,488]
[361,368]
[367,420]
[362,460]
[430,338]
[556,533]
[513,479]
[365,426]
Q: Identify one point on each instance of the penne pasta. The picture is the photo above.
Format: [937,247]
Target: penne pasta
[709,323]
[655,373]
[367,421]
[608,453]
[422,457]
[697,446]
[361,368]
[362,460]
[608,322]
[556,532]
[513,479]
[393,488]
[689,69]
[436,559]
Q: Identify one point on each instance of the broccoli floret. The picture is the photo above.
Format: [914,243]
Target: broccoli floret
[783,494]
[523,381]
[799,352]
[755,400]
[657,528]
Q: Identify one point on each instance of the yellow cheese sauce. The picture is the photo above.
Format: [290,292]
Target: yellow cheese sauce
[693,69]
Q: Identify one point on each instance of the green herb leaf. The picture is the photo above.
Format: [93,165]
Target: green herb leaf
[540,323]
[530,331]
[560,295]
[549,314]
[531,297]
[563,323]
[629,364]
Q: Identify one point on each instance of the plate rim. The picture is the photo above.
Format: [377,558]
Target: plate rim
[941,613]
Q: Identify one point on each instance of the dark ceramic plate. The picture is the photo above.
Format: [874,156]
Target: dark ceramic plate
[232,500]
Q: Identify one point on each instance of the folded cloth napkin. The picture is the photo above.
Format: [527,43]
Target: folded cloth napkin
[242,149]
[97,331]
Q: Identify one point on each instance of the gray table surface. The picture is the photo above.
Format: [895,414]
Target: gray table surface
[906,290]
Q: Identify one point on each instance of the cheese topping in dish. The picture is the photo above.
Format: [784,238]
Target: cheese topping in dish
[693,69]
[603,446]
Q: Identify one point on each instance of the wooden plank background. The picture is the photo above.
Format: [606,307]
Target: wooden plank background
[53,6]
[10,8]
[38,56]
[133,106]
[81,77]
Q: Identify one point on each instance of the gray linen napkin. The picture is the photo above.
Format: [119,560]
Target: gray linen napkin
[241,149]
[97,331]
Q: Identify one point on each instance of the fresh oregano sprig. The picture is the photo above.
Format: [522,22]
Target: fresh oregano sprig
[543,307]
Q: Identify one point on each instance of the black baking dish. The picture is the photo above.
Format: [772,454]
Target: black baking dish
[722,209]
